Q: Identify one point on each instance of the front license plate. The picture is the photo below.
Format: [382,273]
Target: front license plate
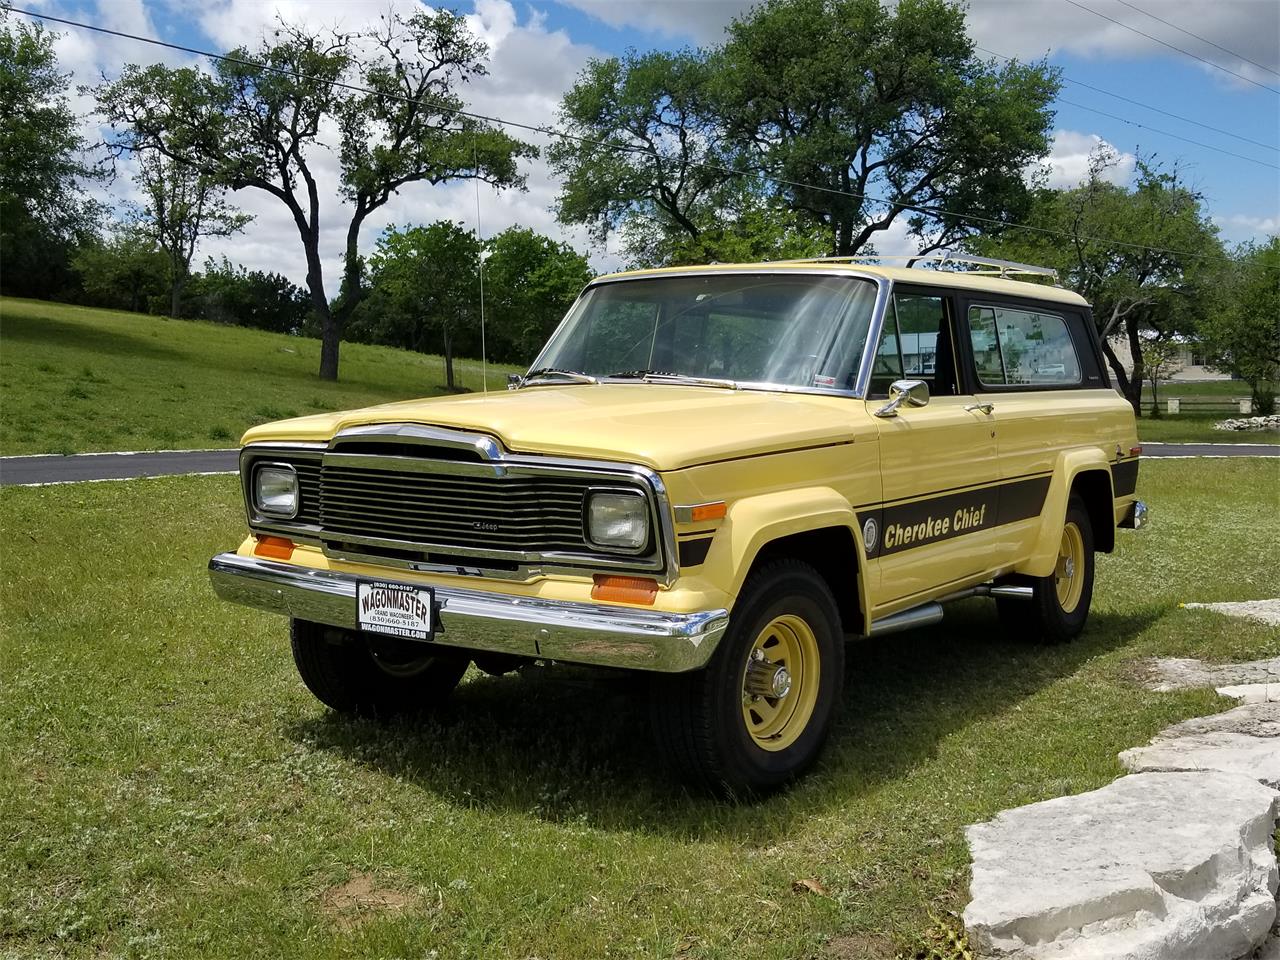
[395,609]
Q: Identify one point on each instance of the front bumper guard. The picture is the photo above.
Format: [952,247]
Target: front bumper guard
[1136,517]
[586,633]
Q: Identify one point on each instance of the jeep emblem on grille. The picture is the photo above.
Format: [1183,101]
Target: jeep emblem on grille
[485,525]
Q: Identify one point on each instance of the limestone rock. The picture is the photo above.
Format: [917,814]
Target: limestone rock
[1171,673]
[1155,866]
[1252,692]
[1267,611]
[1244,740]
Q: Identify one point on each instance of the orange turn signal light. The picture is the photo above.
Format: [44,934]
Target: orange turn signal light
[1134,451]
[708,511]
[623,589]
[277,548]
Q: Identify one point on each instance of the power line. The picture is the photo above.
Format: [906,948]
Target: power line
[1165,43]
[623,148]
[1139,103]
[1167,133]
[1231,53]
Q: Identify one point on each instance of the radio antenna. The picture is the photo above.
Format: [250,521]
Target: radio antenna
[484,359]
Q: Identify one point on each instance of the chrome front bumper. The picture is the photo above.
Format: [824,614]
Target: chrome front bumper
[587,633]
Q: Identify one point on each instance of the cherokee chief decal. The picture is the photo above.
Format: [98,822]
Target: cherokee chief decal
[929,519]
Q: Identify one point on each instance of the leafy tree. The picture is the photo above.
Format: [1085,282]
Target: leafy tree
[44,212]
[258,121]
[128,271]
[756,230]
[644,144]
[230,293]
[822,102]
[180,207]
[530,281]
[852,97]
[1147,258]
[1243,336]
[430,279]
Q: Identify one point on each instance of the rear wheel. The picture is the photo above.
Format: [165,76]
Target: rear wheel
[758,714]
[372,675]
[1059,604]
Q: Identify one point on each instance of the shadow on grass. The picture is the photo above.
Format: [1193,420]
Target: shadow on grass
[570,745]
[18,326]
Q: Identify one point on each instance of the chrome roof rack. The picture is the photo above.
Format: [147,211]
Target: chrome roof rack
[999,268]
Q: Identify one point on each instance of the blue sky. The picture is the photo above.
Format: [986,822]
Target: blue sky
[538,47]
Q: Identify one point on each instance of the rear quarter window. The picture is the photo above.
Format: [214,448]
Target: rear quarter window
[1022,346]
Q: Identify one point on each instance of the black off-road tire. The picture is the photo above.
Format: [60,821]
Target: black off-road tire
[1042,619]
[365,674]
[698,717]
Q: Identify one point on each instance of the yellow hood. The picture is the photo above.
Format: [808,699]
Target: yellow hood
[661,426]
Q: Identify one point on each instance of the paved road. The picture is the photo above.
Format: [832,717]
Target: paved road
[129,466]
[114,466]
[1211,449]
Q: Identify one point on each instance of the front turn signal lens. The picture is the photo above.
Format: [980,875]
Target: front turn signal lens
[623,589]
[277,548]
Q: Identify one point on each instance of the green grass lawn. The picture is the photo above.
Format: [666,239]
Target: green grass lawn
[75,379]
[169,789]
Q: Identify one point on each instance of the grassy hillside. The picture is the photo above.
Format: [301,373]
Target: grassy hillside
[75,379]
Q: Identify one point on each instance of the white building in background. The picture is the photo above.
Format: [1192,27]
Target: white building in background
[1189,366]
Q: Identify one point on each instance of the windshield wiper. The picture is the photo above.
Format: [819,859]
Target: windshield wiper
[662,376]
[555,375]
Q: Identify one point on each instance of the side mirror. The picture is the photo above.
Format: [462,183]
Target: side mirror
[913,393]
[513,381]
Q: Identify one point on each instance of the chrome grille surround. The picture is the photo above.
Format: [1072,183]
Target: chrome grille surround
[426,491]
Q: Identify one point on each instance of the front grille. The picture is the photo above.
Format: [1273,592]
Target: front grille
[401,504]
[308,491]
[527,514]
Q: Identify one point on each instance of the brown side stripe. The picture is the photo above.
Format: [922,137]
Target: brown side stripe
[1124,477]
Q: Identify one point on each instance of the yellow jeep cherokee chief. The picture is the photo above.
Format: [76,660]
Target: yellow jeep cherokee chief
[712,474]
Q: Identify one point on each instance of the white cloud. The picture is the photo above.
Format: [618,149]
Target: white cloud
[1028,29]
[1068,162]
[1239,227]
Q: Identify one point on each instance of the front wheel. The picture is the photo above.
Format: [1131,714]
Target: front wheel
[372,675]
[1059,604]
[758,714]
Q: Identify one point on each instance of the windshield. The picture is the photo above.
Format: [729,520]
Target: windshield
[796,330]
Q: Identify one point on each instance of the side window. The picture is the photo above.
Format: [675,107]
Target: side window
[916,345]
[1014,347]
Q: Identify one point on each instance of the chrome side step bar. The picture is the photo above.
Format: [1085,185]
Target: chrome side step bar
[931,612]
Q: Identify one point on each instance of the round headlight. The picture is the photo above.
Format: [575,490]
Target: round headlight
[618,520]
[275,490]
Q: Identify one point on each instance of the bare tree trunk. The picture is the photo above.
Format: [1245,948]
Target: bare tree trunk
[1122,376]
[179,284]
[330,326]
[448,358]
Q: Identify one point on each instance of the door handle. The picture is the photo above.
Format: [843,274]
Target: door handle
[981,407]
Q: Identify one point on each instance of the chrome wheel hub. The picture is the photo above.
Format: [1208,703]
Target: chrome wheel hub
[767,679]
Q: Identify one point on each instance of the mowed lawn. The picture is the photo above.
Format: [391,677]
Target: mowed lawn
[76,379]
[169,789]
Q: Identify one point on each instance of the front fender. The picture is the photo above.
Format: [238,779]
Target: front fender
[754,522]
[1071,463]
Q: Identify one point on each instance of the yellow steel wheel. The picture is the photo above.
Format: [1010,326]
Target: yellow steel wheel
[1070,573]
[780,682]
